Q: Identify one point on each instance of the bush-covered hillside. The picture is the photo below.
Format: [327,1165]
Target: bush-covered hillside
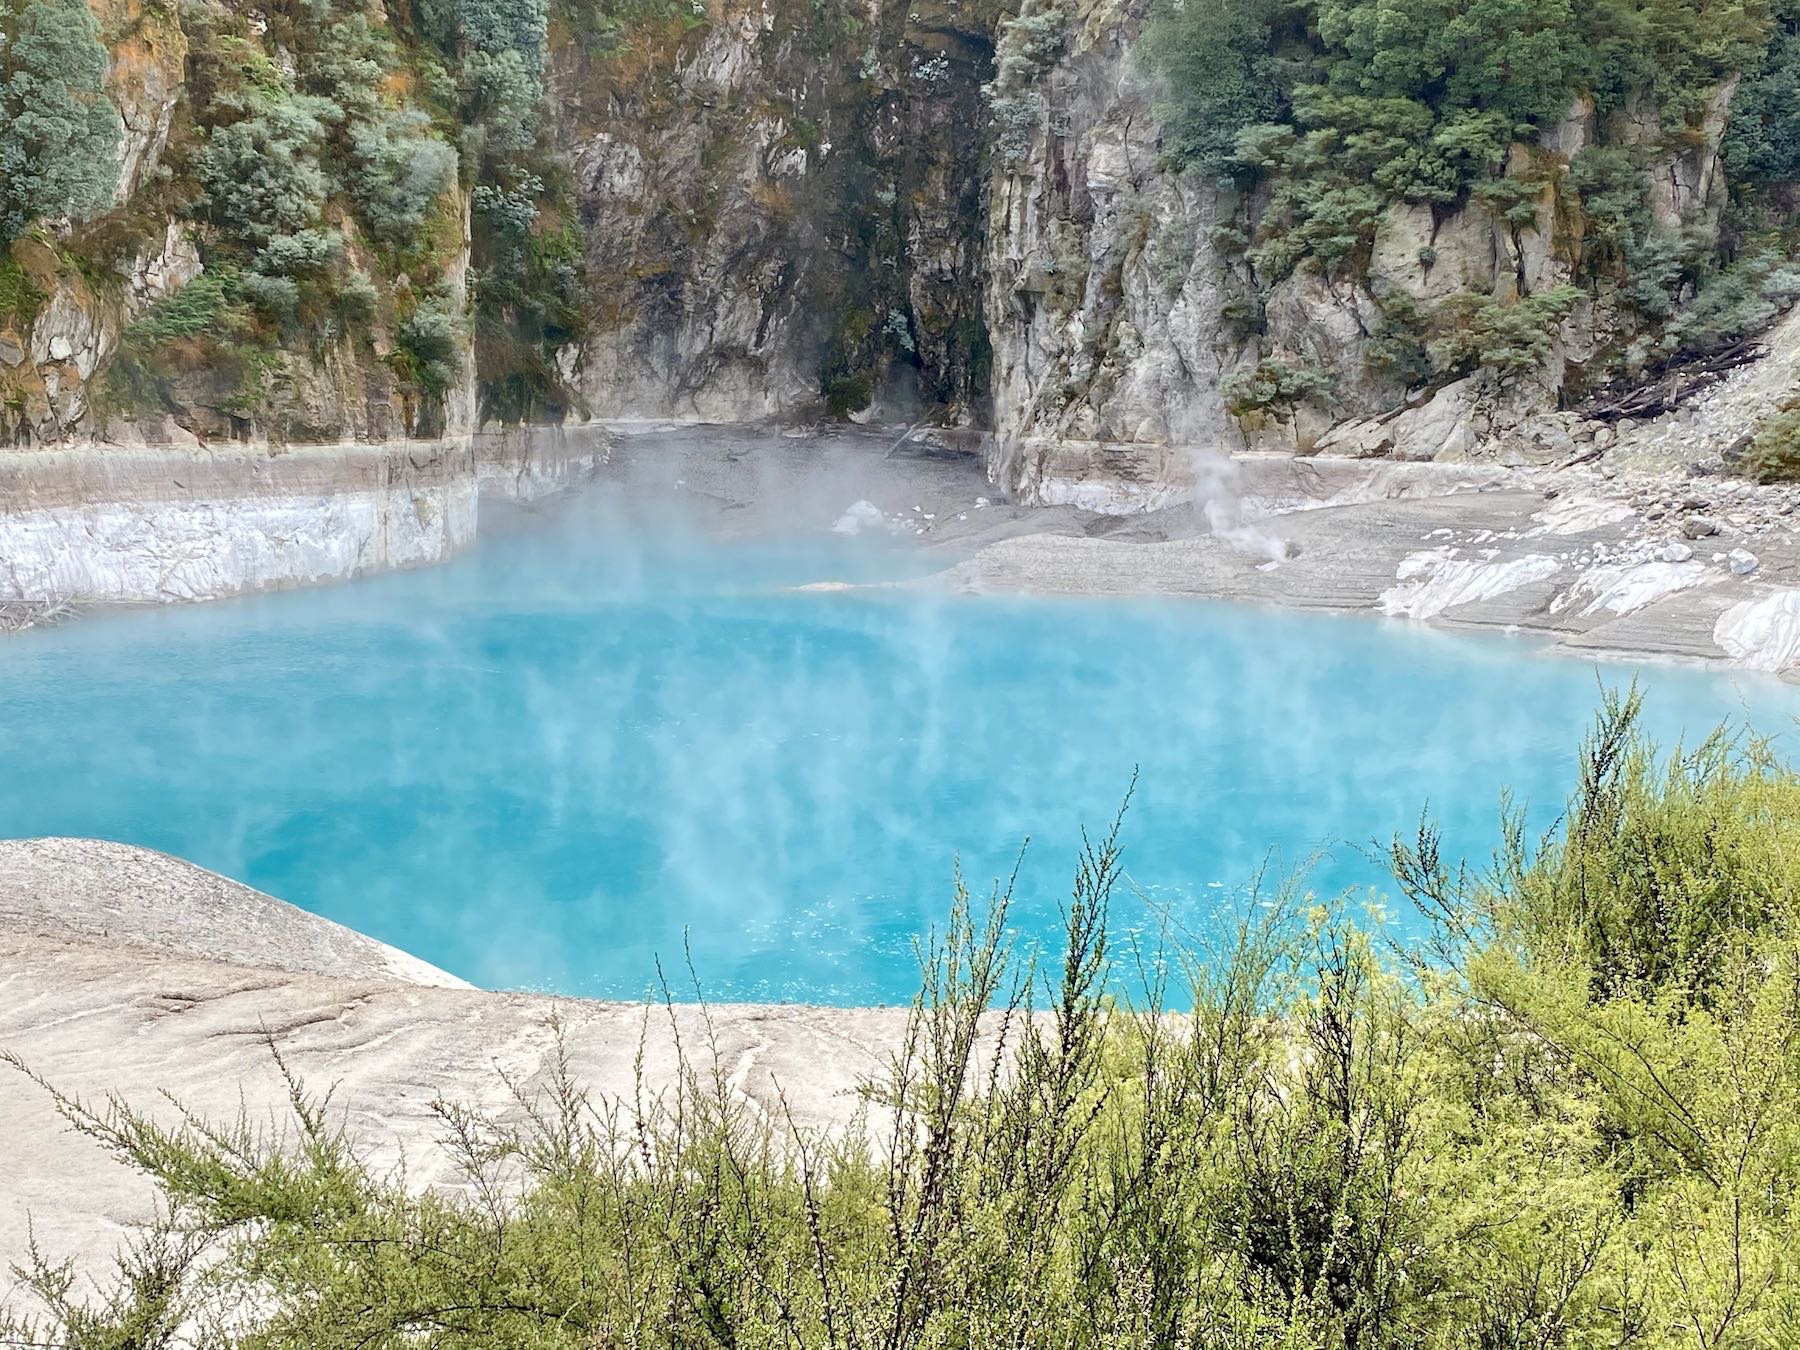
[1570,1117]
[422,213]
[1553,119]
[320,165]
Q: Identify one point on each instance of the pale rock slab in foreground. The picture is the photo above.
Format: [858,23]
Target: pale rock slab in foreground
[106,991]
[124,894]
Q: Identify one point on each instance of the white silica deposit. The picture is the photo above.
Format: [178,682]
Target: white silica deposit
[1434,580]
[1764,633]
[860,516]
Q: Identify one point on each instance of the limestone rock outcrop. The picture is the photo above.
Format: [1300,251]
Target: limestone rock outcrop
[157,525]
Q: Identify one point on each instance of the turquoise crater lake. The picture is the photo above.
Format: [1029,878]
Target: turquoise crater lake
[544,764]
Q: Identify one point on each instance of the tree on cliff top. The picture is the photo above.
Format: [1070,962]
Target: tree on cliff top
[59,133]
[1219,74]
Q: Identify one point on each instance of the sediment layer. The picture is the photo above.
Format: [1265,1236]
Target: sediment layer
[151,526]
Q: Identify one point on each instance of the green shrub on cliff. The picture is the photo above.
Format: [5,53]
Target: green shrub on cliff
[1508,63]
[1509,338]
[208,324]
[1273,386]
[1565,1118]
[60,135]
[262,174]
[528,296]
[1030,41]
[398,169]
[1609,187]
[1400,348]
[393,159]
[428,345]
[1734,303]
[207,304]
[1416,97]
[1318,206]
[491,26]
[1762,144]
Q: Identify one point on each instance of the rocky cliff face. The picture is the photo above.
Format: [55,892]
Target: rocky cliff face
[952,210]
[1119,312]
[781,207]
[79,361]
[58,328]
[1107,305]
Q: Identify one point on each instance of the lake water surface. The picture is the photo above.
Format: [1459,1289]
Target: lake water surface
[544,764]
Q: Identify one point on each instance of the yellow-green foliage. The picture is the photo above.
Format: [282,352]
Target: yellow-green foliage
[1570,1118]
[1774,453]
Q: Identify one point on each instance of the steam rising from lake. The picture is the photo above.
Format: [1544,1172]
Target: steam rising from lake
[543,764]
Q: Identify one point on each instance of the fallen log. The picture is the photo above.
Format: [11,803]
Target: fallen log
[1676,382]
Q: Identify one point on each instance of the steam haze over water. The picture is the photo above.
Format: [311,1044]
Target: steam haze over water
[539,766]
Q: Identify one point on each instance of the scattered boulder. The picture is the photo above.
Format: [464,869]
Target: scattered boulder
[1358,438]
[1699,527]
[1741,561]
[1443,426]
[1674,551]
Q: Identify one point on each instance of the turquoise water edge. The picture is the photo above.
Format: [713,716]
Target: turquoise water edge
[553,761]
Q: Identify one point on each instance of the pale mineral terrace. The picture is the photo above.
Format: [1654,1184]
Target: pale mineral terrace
[1643,560]
[1646,561]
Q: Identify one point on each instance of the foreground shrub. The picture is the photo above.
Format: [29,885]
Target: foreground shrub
[1773,455]
[1565,1118]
